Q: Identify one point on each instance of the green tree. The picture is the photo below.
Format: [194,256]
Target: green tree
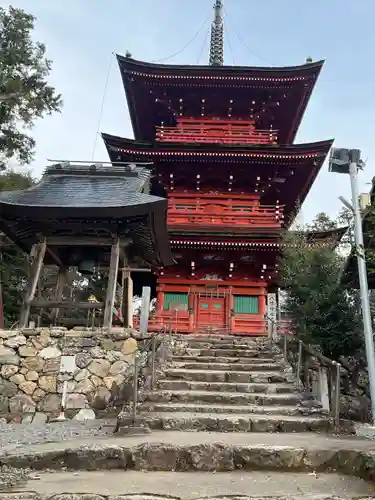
[25,94]
[14,263]
[322,222]
[323,312]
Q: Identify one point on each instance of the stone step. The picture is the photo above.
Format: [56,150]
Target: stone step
[240,422]
[161,485]
[224,376]
[183,385]
[241,367]
[193,344]
[226,398]
[217,359]
[222,408]
[243,353]
[199,451]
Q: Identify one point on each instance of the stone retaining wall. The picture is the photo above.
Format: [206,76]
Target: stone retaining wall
[31,381]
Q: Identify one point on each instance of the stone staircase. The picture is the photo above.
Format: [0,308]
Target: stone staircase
[230,384]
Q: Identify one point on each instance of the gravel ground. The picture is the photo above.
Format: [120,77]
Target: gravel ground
[9,477]
[15,436]
[365,430]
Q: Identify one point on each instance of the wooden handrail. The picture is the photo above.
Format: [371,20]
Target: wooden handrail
[225,222]
[193,206]
[224,213]
[219,128]
[197,213]
[216,131]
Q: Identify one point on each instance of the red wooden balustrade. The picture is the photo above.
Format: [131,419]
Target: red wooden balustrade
[215,132]
[224,214]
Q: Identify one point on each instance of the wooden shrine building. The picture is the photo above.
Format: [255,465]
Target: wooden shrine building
[87,216]
[220,139]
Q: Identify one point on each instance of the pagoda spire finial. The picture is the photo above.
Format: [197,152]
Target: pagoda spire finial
[217,36]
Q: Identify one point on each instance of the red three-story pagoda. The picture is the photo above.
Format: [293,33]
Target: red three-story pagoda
[220,140]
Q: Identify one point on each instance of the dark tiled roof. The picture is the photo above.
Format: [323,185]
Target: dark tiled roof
[78,186]
[90,200]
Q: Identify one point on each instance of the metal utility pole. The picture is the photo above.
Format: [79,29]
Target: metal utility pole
[217,36]
[349,161]
[363,284]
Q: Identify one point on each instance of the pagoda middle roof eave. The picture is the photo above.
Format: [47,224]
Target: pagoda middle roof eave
[132,65]
[115,144]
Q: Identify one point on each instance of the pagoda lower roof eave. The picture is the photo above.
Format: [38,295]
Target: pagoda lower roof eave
[130,146]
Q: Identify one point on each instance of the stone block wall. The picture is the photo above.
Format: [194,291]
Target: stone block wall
[31,381]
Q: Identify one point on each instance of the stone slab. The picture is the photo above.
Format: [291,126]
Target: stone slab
[186,385]
[203,358]
[232,352]
[185,487]
[218,375]
[219,408]
[236,422]
[202,451]
[241,367]
[228,398]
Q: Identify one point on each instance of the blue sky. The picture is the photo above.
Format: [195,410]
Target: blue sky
[81,36]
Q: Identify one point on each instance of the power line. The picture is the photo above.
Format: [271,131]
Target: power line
[267,63]
[204,44]
[229,45]
[102,106]
[242,40]
[185,46]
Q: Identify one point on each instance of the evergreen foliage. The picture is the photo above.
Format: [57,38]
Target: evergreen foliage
[25,94]
[14,263]
[324,314]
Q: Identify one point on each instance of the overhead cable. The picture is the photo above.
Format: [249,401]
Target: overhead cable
[185,46]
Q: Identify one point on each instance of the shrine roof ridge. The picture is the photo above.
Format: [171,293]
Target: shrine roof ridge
[99,170]
[145,68]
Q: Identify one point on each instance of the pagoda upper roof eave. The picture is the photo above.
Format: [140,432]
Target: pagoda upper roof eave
[304,76]
[130,146]
[132,65]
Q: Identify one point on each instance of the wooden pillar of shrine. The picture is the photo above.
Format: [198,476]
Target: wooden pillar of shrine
[262,303]
[38,252]
[159,300]
[127,299]
[112,282]
[60,285]
[191,304]
[231,310]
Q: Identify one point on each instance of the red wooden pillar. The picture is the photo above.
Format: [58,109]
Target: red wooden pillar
[159,300]
[232,321]
[262,304]
[191,308]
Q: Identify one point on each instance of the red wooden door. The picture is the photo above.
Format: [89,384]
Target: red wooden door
[211,312]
